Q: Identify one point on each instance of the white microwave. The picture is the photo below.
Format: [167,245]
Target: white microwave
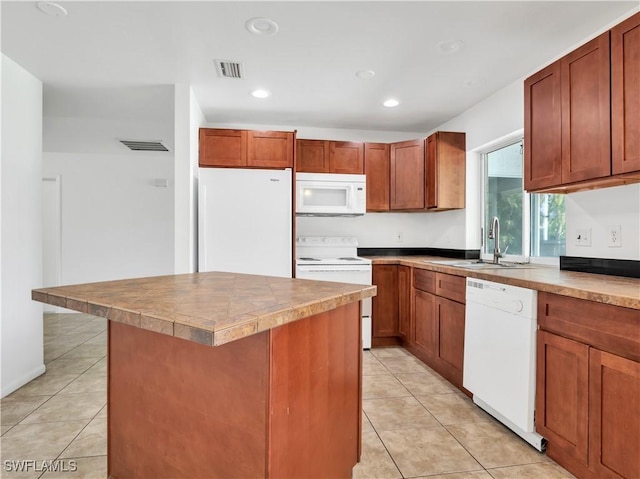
[328,194]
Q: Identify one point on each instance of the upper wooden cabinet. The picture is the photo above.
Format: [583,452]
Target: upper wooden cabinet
[407,184]
[625,96]
[346,157]
[246,149]
[445,170]
[320,156]
[270,149]
[586,109]
[223,147]
[582,121]
[542,129]
[376,167]
[312,156]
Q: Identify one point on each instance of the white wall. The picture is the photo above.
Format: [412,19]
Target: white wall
[21,340]
[188,119]
[597,210]
[115,222]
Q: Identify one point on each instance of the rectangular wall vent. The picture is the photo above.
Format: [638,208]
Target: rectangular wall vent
[229,69]
[141,145]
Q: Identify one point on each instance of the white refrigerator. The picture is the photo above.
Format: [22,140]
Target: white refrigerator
[245,221]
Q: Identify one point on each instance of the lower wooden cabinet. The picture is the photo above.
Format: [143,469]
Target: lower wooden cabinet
[588,386]
[614,416]
[561,402]
[438,323]
[404,303]
[384,314]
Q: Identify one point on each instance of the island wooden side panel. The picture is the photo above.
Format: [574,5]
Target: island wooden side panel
[316,396]
[181,409]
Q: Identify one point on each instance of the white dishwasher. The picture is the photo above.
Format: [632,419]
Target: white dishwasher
[500,354]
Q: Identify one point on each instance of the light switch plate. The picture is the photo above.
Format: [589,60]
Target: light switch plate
[583,237]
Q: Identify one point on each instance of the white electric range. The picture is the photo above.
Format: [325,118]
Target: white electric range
[335,258]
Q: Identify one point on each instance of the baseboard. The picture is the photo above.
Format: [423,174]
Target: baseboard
[8,389]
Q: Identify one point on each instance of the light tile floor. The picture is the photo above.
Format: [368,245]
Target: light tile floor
[415,424]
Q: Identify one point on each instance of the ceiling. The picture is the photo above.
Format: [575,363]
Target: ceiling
[120,59]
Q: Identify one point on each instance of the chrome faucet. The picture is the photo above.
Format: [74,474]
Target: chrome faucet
[494,234]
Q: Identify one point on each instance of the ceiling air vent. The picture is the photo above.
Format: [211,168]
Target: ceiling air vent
[229,69]
[141,145]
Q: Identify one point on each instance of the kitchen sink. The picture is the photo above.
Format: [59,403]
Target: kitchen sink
[478,264]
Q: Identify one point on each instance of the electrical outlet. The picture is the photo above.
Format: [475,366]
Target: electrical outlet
[398,237]
[583,237]
[614,236]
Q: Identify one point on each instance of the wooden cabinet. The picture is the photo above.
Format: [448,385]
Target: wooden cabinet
[270,149]
[542,129]
[404,302]
[376,168]
[407,185]
[625,96]
[581,116]
[561,403]
[588,386]
[320,156]
[445,170]
[346,157]
[425,335]
[614,419]
[586,109]
[438,322]
[245,149]
[312,156]
[385,304]
[223,147]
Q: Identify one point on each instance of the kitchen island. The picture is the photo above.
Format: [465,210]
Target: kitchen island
[222,375]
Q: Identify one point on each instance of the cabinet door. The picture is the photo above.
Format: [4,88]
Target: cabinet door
[376,167]
[385,303]
[562,395]
[223,147]
[346,157]
[450,338]
[312,156]
[445,170]
[614,415]
[625,96]
[542,129]
[270,149]
[404,302]
[407,175]
[586,111]
[426,326]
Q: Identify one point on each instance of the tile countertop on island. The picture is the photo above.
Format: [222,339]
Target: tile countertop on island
[209,308]
[615,290]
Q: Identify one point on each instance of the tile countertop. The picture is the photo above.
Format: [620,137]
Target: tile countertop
[209,308]
[615,290]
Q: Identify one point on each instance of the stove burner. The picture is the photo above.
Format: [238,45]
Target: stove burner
[309,259]
[350,259]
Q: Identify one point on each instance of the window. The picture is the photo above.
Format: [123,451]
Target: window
[531,225]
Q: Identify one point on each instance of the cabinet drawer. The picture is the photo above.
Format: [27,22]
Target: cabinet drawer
[424,280]
[610,328]
[450,286]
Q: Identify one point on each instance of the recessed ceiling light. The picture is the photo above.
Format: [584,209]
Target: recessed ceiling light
[390,103]
[449,46]
[52,9]
[260,93]
[365,74]
[261,26]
